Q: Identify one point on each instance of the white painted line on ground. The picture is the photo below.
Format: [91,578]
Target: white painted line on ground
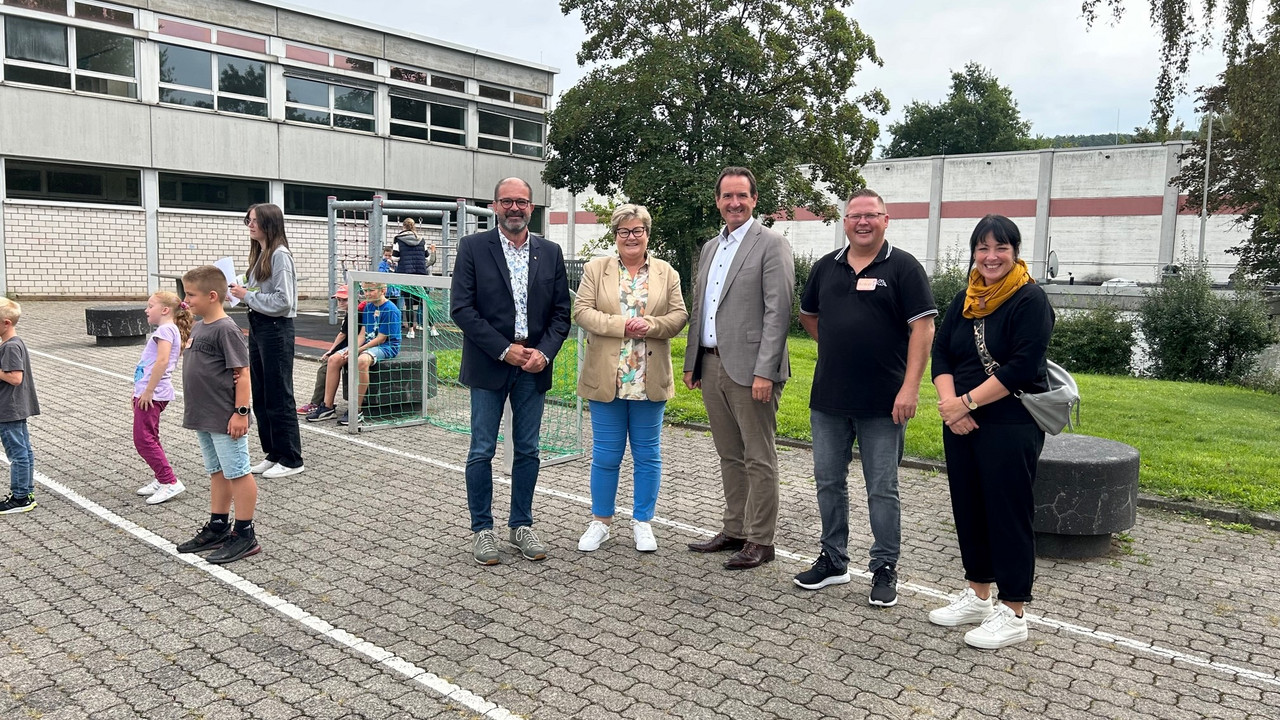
[1101,636]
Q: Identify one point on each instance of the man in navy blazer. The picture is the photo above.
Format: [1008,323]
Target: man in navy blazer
[510,298]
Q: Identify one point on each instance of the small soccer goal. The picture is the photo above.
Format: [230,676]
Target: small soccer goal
[420,383]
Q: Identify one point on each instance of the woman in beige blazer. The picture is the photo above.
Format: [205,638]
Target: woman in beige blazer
[630,305]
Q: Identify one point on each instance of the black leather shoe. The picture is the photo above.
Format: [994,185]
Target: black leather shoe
[751,555]
[719,543]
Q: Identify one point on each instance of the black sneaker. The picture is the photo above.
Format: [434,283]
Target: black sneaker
[208,538]
[236,547]
[12,505]
[823,573]
[884,587]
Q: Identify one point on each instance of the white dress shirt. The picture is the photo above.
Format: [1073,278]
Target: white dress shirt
[720,262]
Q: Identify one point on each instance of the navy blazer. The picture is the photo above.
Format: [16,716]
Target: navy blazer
[483,307]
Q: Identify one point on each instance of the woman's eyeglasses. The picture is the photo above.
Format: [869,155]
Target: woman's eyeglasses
[637,233]
[249,222]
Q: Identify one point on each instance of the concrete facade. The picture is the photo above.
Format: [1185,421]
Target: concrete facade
[1105,211]
[94,131]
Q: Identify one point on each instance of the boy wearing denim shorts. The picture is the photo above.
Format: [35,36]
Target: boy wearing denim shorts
[17,403]
[215,378]
[379,340]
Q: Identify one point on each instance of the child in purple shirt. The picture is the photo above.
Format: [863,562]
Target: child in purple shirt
[153,389]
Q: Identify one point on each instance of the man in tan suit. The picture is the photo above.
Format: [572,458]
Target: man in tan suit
[737,353]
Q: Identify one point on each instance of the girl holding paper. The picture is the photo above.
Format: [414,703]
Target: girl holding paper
[271,294]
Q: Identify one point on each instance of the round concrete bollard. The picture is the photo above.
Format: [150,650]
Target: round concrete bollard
[1086,488]
[117,324]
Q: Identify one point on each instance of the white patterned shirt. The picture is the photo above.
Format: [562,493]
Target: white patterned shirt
[518,266]
[720,262]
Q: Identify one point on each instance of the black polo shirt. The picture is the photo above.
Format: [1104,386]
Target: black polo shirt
[863,329]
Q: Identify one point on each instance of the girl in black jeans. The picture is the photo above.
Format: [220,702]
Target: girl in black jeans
[271,293]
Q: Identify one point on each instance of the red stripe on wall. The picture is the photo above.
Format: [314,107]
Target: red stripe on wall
[562,218]
[183,30]
[908,211]
[1106,207]
[800,214]
[979,208]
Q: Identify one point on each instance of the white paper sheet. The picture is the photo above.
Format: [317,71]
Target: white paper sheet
[228,268]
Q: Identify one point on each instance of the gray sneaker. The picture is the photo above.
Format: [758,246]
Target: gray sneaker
[523,539]
[484,547]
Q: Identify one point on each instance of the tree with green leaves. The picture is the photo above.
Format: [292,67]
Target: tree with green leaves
[1244,161]
[980,115]
[683,88]
[1184,26]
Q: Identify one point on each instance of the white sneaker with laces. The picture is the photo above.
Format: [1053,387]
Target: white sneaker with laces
[150,488]
[645,541]
[597,532]
[964,610]
[165,492]
[262,467]
[1002,628]
[434,332]
[281,470]
[410,335]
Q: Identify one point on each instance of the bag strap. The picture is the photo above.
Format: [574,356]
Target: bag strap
[980,340]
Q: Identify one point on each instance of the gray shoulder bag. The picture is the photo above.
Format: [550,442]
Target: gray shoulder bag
[1050,409]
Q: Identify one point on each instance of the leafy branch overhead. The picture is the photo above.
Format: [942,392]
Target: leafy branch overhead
[682,88]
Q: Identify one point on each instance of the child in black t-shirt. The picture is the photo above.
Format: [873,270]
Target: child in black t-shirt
[215,379]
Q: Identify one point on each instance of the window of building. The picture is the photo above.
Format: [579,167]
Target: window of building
[52,6]
[108,15]
[430,79]
[40,53]
[510,135]
[194,192]
[199,78]
[495,93]
[425,120]
[72,183]
[313,200]
[326,103]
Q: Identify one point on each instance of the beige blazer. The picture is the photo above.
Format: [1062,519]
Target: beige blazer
[598,311]
[754,312]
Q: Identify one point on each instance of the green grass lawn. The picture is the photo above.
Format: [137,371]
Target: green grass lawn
[1200,442]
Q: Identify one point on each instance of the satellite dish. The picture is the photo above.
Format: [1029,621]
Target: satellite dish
[1051,268]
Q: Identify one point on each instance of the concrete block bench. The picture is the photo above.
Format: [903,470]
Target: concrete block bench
[395,385]
[117,324]
[1086,488]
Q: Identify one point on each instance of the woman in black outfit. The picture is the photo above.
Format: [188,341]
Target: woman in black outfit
[412,257]
[991,442]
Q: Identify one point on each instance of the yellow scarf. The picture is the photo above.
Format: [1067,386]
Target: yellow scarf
[982,300]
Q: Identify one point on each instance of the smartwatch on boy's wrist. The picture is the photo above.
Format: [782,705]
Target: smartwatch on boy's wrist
[242,410]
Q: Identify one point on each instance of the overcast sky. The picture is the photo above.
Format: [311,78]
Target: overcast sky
[1067,79]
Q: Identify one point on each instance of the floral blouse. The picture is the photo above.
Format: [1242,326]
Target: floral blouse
[633,292]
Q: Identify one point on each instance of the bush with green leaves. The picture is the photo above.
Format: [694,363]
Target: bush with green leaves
[1193,334]
[1097,340]
[804,264]
[948,280]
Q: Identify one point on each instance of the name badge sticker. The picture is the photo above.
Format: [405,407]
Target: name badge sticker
[865,284]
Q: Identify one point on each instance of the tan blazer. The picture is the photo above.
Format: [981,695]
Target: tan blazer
[597,309]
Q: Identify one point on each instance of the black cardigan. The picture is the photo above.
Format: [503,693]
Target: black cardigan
[1017,336]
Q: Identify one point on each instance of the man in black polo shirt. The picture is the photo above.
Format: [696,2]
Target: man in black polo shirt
[870,309]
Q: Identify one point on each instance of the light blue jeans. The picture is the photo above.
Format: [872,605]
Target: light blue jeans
[612,423]
[880,442]
[17,446]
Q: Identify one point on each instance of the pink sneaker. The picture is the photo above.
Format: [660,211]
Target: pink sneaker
[306,409]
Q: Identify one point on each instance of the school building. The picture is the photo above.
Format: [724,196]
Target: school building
[133,135]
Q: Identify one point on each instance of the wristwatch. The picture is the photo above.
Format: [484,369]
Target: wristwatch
[968,400]
[242,410]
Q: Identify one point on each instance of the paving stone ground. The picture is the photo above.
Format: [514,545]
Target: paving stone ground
[1180,620]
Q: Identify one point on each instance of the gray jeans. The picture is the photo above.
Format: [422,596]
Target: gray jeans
[880,441]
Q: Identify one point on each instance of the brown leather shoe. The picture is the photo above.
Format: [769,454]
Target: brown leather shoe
[719,543]
[751,555]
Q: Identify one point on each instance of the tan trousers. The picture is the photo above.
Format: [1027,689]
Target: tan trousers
[743,431]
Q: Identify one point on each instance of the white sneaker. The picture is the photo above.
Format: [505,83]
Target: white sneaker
[149,488]
[410,334]
[965,610]
[165,492]
[262,467]
[1002,628]
[281,470]
[434,332]
[597,532]
[645,541]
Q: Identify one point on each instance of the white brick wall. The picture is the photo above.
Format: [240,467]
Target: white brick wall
[59,251]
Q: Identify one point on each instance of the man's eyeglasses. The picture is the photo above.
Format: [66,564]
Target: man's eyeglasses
[859,217]
[518,202]
[637,233]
